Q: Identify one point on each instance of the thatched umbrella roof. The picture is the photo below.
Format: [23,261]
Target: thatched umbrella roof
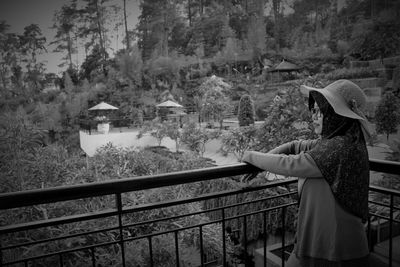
[103,106]
[169,104]
[285,66]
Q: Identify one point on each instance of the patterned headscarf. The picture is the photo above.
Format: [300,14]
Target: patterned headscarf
[342,158]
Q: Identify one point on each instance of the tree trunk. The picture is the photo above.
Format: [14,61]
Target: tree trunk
[276,8]
[100,31]
[189,13]
[126,27]
[165,34]
[69,45]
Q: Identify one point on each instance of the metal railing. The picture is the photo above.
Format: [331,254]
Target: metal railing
[125,227]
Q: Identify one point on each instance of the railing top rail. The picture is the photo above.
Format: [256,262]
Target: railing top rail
[387,166]
[64,193]
[71,192]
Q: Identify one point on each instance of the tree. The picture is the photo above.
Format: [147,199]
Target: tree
[93,65]
[387,114]
[94,18]
[276,8]
[163,71]
[156,22]
[196,138]
[288,119]
[65,24]
[130,64]
[7,56]
[126,28]
[256,35]
[32,44]
[174,132]
[156,128]
[211,89]
[215,104]
[246,111]
[380,41]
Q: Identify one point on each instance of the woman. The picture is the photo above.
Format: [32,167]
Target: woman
[333,176]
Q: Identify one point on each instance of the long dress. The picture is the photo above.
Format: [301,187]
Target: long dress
[327,235]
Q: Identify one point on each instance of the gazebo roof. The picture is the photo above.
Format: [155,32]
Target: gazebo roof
[169,104]
[103,106]
[285,66]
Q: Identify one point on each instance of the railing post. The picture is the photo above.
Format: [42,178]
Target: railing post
[151,252]
[121,233]
[245,239]
[201,246]
[61,260]
[391,230]
[283,236]
[176,248]
[265,237]
[93,257]
[1,254]
[223,238]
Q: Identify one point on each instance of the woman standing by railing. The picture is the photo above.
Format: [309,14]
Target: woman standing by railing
[334,179]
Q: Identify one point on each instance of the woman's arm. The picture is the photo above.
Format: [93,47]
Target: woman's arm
[300,165]
[294,147]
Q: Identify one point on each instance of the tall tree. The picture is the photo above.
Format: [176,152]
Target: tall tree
[32,44]
[256,36]
[9,47]
[95,18]
[65,21]
[156,22]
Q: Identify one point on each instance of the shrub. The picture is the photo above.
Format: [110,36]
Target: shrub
[387,114]
[246,111]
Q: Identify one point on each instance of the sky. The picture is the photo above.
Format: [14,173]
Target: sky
[21,13]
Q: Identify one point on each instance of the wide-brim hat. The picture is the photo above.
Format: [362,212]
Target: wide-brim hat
[346,98]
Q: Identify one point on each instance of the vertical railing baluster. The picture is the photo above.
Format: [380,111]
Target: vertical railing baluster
[245,238]
[151,251]
[223,238]
[26,263]
[265,237]
[1,253]
[61,259]
[283,236]
[93,257]
[391,230]
[176,248]
[201,246]
[121,233]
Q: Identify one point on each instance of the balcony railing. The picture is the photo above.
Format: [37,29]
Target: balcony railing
[206,229]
